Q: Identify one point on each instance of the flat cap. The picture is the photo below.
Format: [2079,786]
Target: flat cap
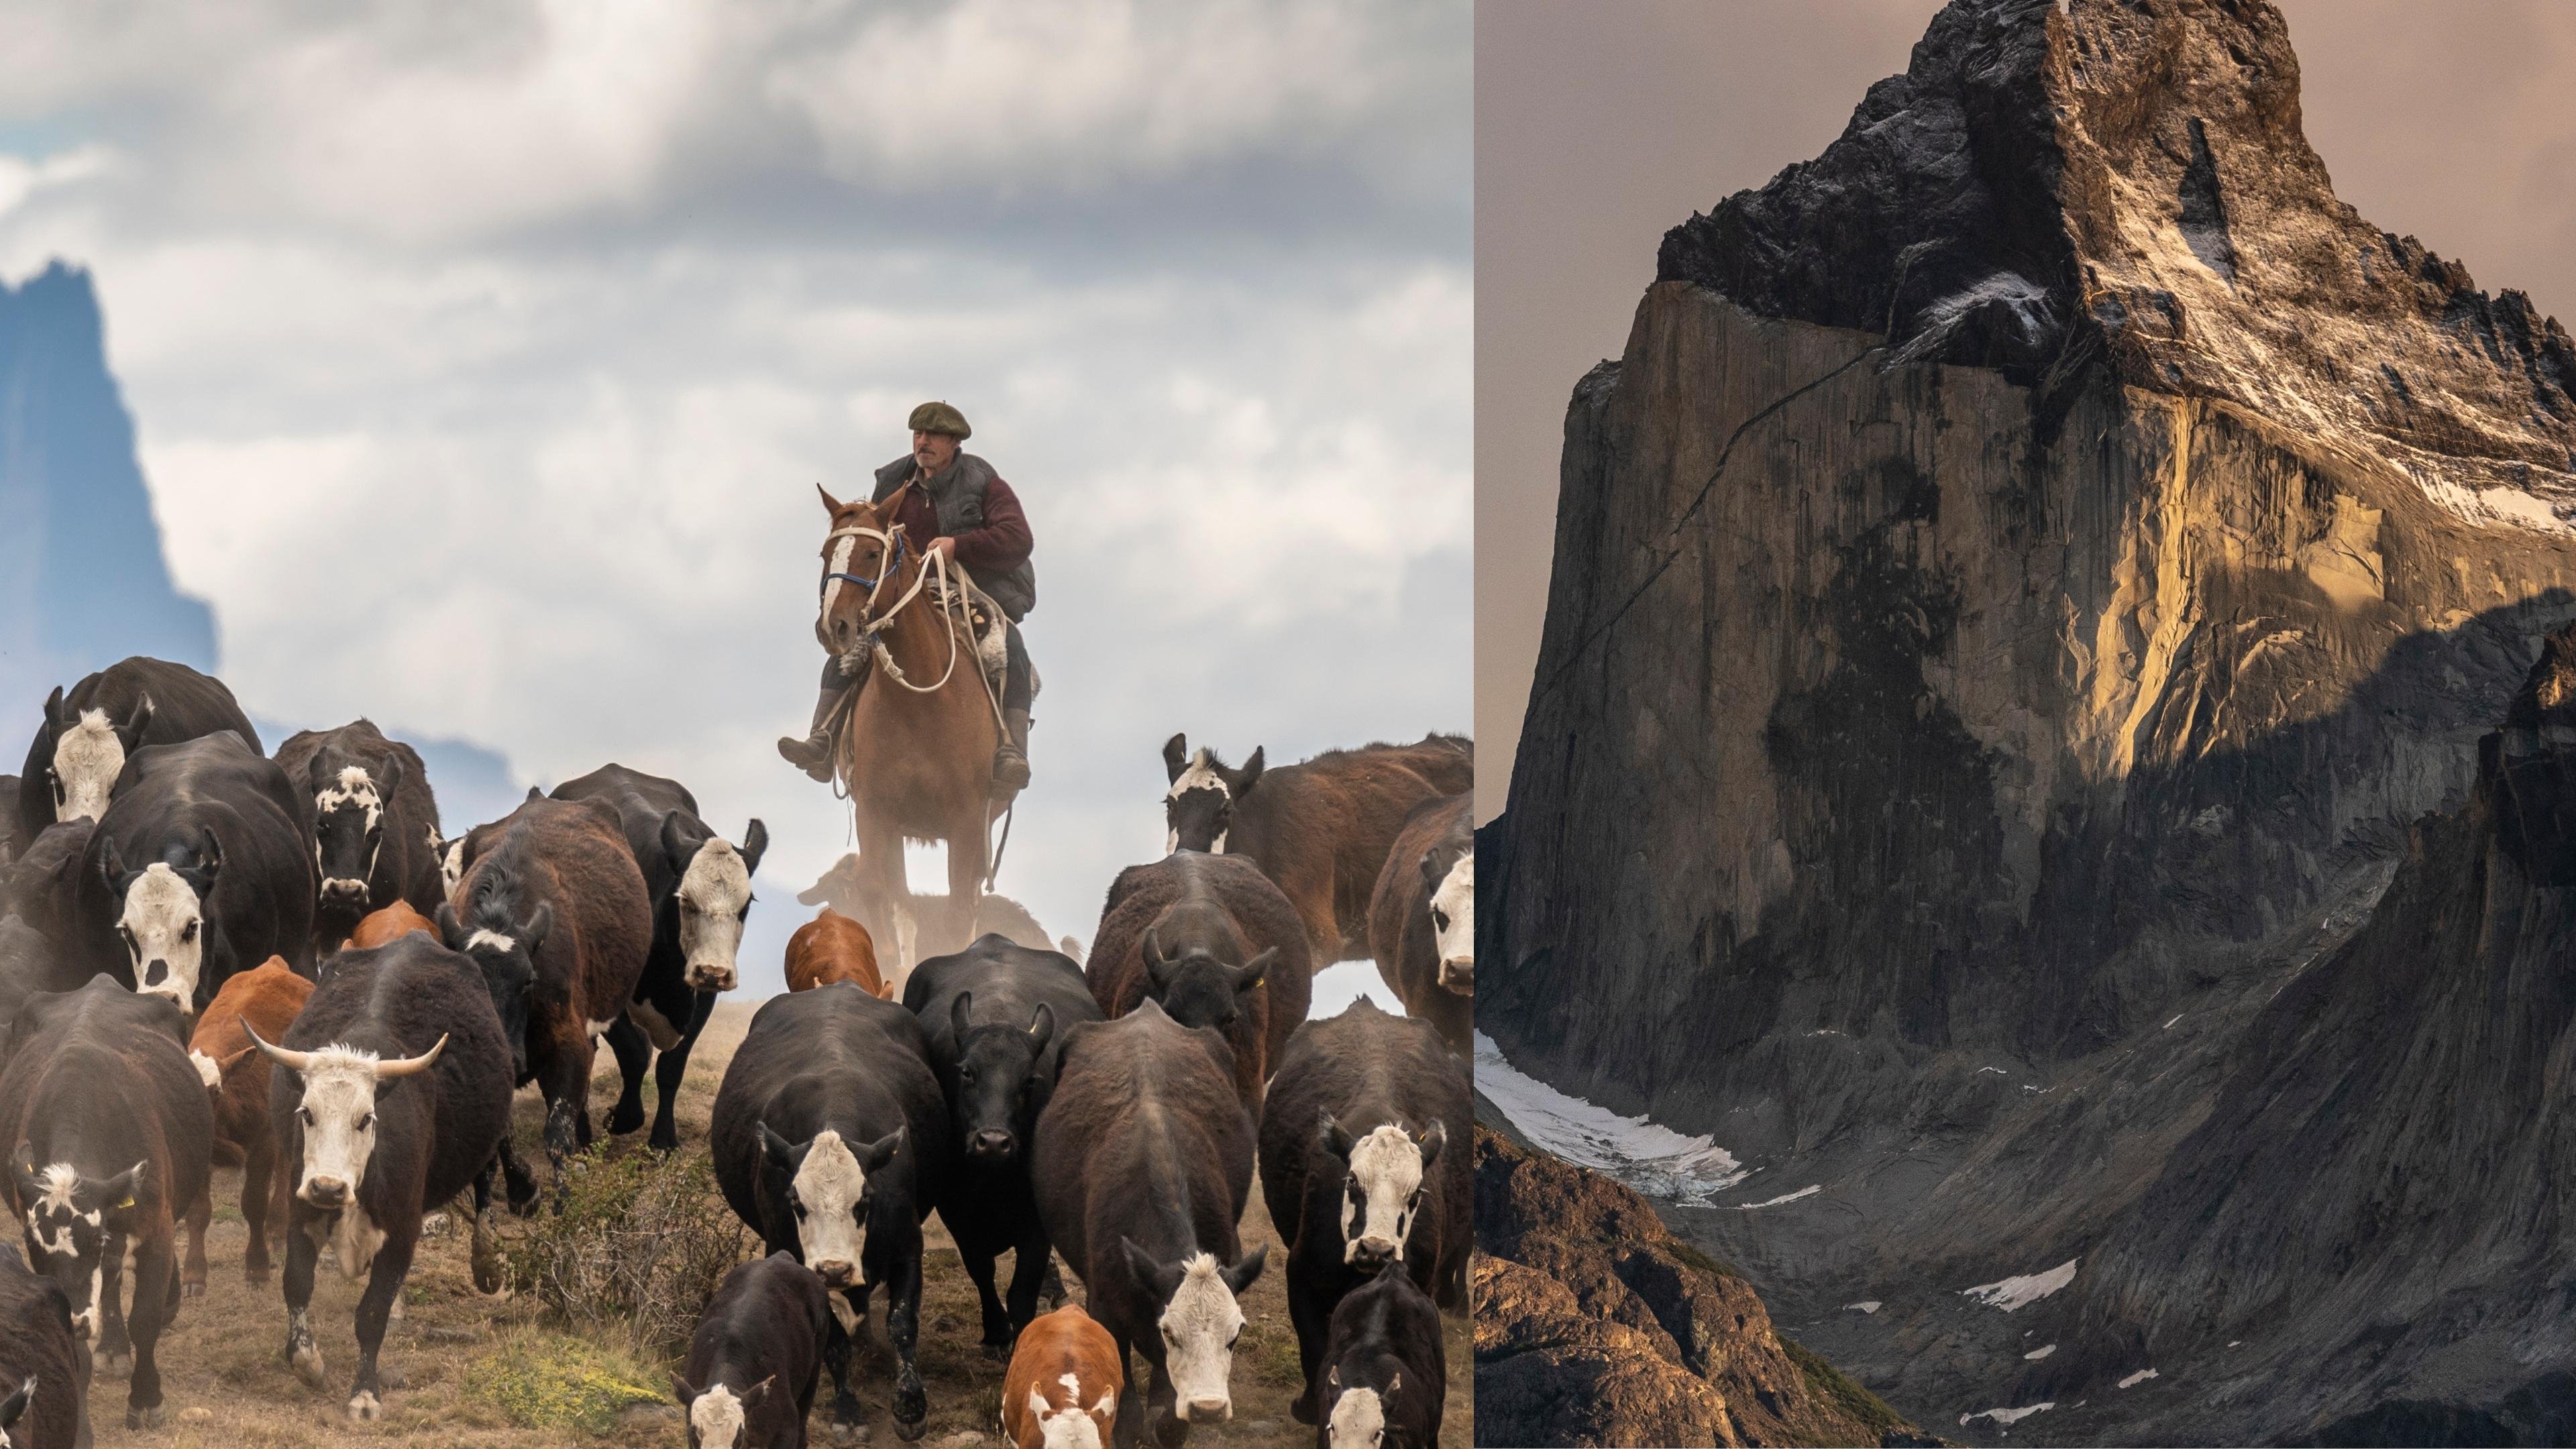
[939,417]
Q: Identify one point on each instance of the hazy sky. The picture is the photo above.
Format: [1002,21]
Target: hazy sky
[1599,126]
[485,356]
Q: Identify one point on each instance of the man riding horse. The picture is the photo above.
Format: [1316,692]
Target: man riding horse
[960,508]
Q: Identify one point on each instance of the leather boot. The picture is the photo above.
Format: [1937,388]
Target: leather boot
[813,754]
[1011,756]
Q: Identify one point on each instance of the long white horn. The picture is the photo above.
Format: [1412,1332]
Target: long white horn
[281,1055]
[408,1066]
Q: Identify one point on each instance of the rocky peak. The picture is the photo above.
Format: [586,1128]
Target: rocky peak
[2128,180]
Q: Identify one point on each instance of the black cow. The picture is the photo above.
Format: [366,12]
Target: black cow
[42,887]
[373,819]
[995,1014]
[370,1149]
[831,1140]
[755,1357]
[1354,1170]
[202,866]
[111,1132]
[1142,1166]
[1385,1381]
[700,886]
[46,1387]
[1216,943]
[89,733]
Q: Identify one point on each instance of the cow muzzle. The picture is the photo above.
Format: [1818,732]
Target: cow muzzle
[1370,1254]
[342,891]
[992,1146]
[1204,1411]
[1459,975]
[711,976]
[835,1272]
[87,1323]
[324,1192]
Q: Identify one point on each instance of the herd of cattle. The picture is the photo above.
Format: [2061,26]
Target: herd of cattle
[212,953]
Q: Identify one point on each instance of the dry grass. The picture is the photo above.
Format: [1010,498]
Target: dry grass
[513,1373]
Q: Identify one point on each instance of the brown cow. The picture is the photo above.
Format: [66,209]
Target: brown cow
[383,927]
[1422,921]
[237,1079]
[554,912]
[1216,943]
[832,947]
[1065,1369]
[1321,829]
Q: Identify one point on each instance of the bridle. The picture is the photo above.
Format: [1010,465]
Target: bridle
[872,625]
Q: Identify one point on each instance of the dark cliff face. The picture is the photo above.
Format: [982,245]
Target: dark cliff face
[2014,601]
[1594,1325]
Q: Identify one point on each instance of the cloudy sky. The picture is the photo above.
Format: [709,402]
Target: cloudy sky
[1598,127]
[485,357]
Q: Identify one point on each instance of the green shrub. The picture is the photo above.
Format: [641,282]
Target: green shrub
[554,1381]
[639,1247]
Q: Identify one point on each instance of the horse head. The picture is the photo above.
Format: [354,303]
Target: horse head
[866,562]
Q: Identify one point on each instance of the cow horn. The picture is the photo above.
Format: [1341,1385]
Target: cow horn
[292,1060]
[411,1066]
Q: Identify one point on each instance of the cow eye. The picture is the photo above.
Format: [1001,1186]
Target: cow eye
[304,1115]
[188,932]
[965,1076]
[367,1123]
[1440,919]
[1231,1342]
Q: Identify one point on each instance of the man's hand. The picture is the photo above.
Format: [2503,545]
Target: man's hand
[945,548]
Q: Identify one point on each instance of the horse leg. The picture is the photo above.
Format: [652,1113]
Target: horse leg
[966,853]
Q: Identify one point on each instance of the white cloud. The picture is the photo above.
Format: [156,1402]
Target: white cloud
[21,178]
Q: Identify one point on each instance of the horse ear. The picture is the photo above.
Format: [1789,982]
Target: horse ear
[1176,756]
[960,1008]
[755,843]
[831,506]
[1244,779]
[1249,974]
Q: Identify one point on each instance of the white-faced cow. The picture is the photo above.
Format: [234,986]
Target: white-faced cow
[995,1014]
[1356,1171]
[373,818]
[201,867]
[1062,1388]
[1384,1381]
[1211,939]
[1422,921]
[46,1387]
[831,1140]
[1320,829]
[89,733]
[393,1095]
[1142,1167]
[554,912]
[755,1357]
[111,1137]
[700,887]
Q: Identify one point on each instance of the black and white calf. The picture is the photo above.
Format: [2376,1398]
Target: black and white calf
[755,1357]
[995,1014]
[1355,1171]
[700,886]
[1385,1382]
[200,867]
[373,818]
[831,1140]
[90,731]
[111,1131]
[394,1098]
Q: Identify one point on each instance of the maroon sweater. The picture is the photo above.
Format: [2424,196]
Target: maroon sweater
[1001,545]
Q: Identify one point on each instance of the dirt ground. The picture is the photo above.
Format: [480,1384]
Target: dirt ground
[225,1383]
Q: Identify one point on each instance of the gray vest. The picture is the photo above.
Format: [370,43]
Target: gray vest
[957,494]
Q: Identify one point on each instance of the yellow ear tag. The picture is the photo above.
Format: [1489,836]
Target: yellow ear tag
[129,1202]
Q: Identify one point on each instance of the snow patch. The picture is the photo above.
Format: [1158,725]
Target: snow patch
[2009,1417]
[1654,1160]
[2036,1354]
[2140,1377]
[1784,1197]
[2012,1293]
[1866,1305]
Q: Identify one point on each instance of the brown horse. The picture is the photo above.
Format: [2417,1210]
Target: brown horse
[916,749]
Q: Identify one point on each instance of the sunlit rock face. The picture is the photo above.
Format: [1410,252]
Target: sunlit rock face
[2027,577]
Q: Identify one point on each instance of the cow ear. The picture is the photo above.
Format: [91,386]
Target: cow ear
[118,1193]
[210,856]
[680,1390]
[54,710]
[389,779]
[1335,1138]
[14,1408]
[1394,1381]
[1431,1142]
[881,1151]
[752,1396]
[111,866]
[532,932]
[1152,947]
[755,844]
[1154,1275]
[22,1174]
[130,733]
[780,1151]
[1041,1027]
[831,506]
[960,1017]
[224,1068]
[1240,1276]
[1249,974]
[317,775]
[450,930]
[676,845]
[1242,780]
[1431,873]
[1176,755]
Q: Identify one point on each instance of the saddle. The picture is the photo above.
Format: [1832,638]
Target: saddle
[989,634]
